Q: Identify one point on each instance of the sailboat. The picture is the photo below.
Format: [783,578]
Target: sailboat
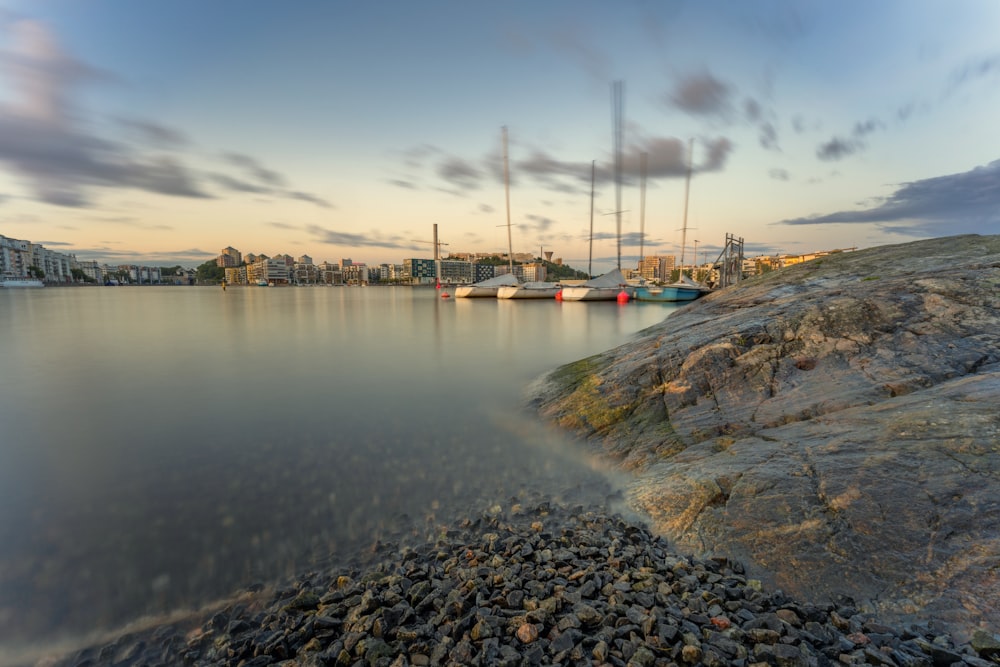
[610,286]
[486,288]
[605,287]
[530,290]
[491,287]
[685,289]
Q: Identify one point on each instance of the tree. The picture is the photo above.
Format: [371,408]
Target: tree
[35,272]
[555,272]
[209,273]
[170,270]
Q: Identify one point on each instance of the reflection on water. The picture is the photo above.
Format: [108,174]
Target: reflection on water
[162,447]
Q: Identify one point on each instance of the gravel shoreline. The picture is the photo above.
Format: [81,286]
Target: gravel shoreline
[536,583]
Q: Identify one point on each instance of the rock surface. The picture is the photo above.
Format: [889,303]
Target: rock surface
[833,425]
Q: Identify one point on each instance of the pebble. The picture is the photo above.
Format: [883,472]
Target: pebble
[534,583]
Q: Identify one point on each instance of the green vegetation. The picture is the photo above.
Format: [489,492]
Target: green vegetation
[171,270]
[81,277]
[556,272]
[35,272]
[209,273]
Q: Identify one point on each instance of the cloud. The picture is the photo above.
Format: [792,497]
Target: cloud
[48,141]
[460,173]
[254,170]
[351,240]
[307,197]
[778,174]
[190,257]
[153,133]
[540,223]
[836,149]
[41,136]
[840,147]
[968,202]
[978,69]
[702,95]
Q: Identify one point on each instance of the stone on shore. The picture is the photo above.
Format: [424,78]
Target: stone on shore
[833,425]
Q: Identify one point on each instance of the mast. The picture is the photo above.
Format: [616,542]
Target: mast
[590,258]
[618,110]
[506,185]
[437,257]
[687,192]
[643,160]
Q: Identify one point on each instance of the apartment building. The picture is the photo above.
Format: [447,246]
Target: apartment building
[18,256]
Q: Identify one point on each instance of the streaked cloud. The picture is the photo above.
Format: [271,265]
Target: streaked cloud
[51,143]
[967,202]
[373,239]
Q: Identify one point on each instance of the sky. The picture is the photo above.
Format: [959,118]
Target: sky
[160,131]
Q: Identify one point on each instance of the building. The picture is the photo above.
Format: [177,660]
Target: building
[657,267]
[329,274]
[355,273]
[236,275]
[534,271]
[419,271]
[268,270]
[21,259]
[481,272]
[229,257]
[456,271]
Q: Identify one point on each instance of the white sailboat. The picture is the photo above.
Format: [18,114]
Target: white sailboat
[606,287]
[529,290]
[486,288]
[612,285]
[491,287]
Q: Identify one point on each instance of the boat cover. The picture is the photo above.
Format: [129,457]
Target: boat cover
[498,281]
[612,278]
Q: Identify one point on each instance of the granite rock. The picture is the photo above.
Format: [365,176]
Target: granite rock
[833,425]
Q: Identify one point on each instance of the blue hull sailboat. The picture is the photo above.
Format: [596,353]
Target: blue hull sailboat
[685,289]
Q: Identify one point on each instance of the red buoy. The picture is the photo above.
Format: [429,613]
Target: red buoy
[445,295]
[623,297]
[559,295]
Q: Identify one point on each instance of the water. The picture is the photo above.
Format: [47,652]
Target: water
[163,447]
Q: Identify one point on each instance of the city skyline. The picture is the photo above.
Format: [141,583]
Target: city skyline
[157,133]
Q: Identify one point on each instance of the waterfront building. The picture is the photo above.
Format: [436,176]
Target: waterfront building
[236,275]
[534,271]
[269,270]
[481,272]
[229,257]
[419,271]
[456,271]
[355,274]
[657,267]
[329,274]
[17,257]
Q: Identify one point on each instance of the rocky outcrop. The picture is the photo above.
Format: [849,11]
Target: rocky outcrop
[834,425]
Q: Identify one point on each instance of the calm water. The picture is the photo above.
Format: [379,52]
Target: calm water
[162,447]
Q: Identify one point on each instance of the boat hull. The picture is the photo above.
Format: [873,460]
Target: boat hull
[668,293]
[581,293]
[522,292]
[21,283]
[475,292]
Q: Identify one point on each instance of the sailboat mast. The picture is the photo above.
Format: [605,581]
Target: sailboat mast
[590,258]
[618,105]
[687,192]
[643,161]
[506,184]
